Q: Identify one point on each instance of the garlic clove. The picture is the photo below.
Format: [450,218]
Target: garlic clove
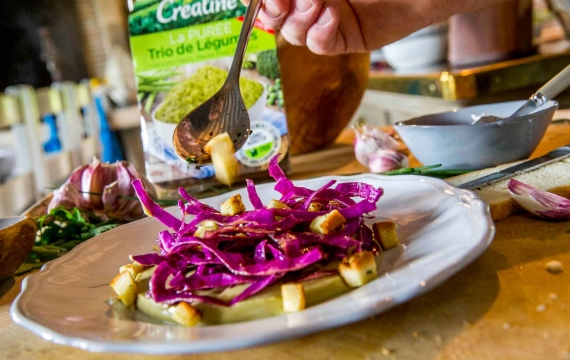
[383,160]
[370,139]
[538,202]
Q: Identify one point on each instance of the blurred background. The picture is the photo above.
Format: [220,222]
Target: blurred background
[68,91]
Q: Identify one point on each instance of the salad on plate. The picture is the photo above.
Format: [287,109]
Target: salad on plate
[216,266]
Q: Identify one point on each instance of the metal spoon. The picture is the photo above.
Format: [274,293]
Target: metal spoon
[550,90]
[223,112]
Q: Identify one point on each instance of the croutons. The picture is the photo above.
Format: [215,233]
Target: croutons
[315,206]
[328,223]
[385,234]
[358,269]
[293,297]
[185,314]
[132,269]
[232,206]
[125,288]
[221,149]
[206,225]
[276,204]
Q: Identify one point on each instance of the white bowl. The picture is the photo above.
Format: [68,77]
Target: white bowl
[166,130]
[421,49]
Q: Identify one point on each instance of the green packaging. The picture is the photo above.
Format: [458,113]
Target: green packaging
[182,51]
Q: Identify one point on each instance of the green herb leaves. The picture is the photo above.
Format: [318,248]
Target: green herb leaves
[60,231]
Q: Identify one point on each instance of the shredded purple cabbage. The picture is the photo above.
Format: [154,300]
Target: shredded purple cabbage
[257,248]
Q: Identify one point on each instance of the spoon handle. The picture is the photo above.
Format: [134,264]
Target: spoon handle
[556,85]
[248,22]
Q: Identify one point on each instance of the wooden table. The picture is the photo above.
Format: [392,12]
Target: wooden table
[505,305]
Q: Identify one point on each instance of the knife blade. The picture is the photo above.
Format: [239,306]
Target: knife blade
[553,156]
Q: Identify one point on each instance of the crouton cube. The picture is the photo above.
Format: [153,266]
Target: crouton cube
[185,314]
[276,204]
[125,288]
[206,225]
[328,223]
[221,149]
[293,297]
[232,206]
[132,269]
[315,206]
[385,234]
[358,269]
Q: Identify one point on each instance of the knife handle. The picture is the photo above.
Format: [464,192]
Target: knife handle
[556,85]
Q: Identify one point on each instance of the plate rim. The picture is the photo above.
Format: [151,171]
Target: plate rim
[405,292]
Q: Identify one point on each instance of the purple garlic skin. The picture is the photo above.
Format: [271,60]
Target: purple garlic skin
[383,160]
[539,202]
[104,189]
[370,139]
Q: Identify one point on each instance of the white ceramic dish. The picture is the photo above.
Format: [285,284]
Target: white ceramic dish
[442,229]
[166,130]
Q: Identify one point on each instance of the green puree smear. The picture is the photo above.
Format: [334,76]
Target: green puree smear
[198,88]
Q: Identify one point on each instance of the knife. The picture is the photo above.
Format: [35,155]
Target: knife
[551,157]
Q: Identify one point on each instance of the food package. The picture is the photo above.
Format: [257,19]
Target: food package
[182,51]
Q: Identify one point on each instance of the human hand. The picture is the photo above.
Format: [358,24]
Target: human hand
[340,26]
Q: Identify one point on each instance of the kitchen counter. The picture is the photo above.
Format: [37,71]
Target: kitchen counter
[504,305]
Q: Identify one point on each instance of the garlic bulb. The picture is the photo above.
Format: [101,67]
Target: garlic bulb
[104,189]
[538,202]
[368,140]
[383,160]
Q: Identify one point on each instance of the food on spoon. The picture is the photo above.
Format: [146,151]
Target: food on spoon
[258,263]
[221,149]
[194,91]
[385,234]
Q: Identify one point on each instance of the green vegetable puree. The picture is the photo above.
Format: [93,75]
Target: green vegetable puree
[198,88]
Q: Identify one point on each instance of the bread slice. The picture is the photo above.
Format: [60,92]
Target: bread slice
[554,178]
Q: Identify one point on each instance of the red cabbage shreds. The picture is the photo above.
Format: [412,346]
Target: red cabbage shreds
[200,282]
[283,185]
[367,240]
[154,210]
[362,190]
[235,262]
[160,293]
[259,247]
[148,259]
[194,205]
[316,193]
[260,253]
[252,194]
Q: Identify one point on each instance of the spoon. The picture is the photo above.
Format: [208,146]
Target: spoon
[225,111]
[17,237]
[550,90]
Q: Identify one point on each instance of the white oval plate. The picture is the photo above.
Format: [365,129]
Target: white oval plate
[441,228]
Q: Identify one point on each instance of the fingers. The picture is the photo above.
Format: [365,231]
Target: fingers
[274,12]
[324,36]
[302,15]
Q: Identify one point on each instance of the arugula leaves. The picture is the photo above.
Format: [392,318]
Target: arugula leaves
[60,231]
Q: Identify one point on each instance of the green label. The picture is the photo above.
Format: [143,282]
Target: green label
[260,151]
[150,16]
[194,44]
